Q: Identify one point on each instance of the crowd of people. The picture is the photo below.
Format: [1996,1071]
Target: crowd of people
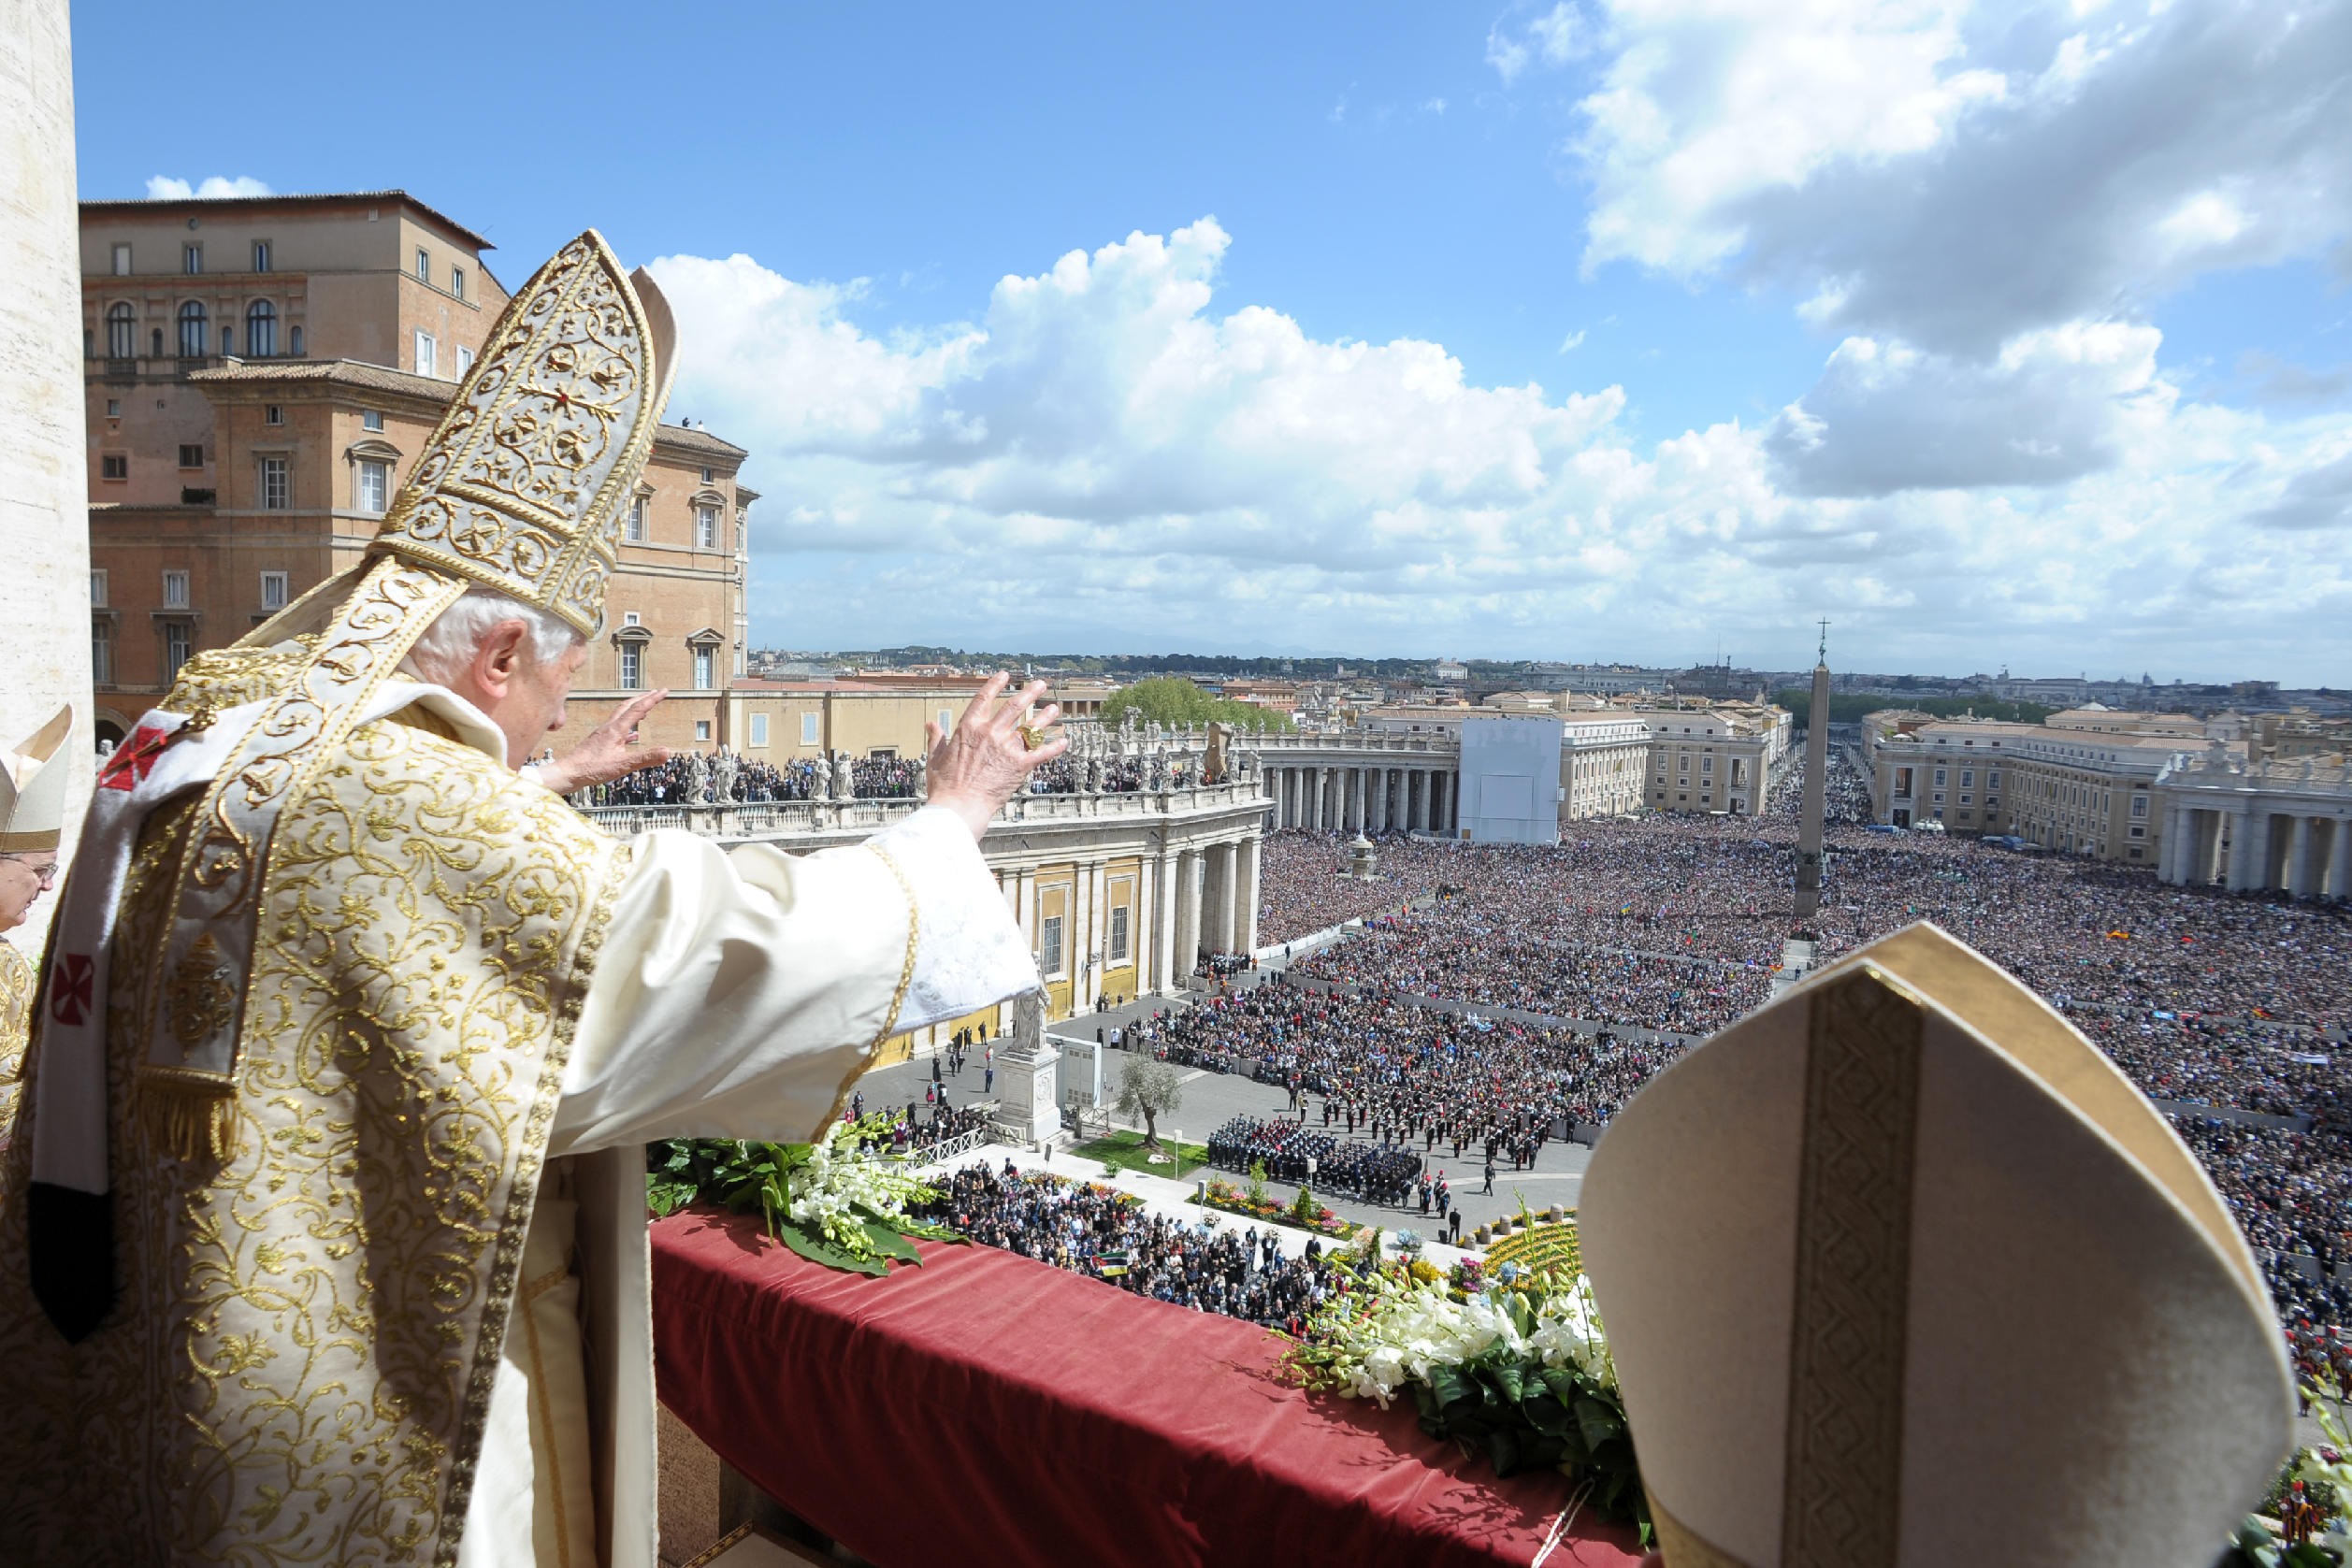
[1379,1172]
[748,780]
[1237,1272]
[1676,924]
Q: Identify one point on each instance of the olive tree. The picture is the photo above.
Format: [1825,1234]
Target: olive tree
[1149,1089]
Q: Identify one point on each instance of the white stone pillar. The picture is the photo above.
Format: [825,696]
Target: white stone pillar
[1322,791]
[2299,858]
[1355,800]
[1379,799]
[1246,897]
[1188,913]
[44,465]
[2340,878]
[1225,885]
[1166,871]
[1417,799]
[2245,866]
[2167,854]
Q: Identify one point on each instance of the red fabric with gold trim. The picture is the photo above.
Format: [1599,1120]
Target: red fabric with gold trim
[988,1408]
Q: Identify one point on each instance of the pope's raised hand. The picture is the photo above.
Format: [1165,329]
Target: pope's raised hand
[606,752]
[994,748]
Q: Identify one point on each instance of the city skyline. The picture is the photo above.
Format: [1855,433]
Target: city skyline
[2006,338]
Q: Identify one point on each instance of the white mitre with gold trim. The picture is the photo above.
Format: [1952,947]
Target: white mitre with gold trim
[1902,1271]
[33,790]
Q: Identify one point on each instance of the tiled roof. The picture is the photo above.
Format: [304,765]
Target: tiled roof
[339,372]
[679,437]
[322,199]
[382,377]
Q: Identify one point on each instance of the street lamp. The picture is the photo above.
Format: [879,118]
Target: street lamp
[1177,1133]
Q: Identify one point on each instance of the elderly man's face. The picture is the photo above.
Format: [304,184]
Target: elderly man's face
[22,879]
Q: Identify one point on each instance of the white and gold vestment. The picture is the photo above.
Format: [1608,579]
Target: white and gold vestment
[353,1036]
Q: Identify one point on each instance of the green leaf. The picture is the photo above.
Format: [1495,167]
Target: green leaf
[813,1246]
[1598,1423]
[890,1244]
[1451,1388]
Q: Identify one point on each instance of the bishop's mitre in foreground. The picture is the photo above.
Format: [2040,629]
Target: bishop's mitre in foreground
[1901,1272]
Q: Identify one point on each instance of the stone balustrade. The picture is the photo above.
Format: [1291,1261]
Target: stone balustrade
[814,819]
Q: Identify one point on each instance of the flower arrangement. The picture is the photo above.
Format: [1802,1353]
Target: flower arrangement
[2303,1523]
[835,1202]
[1301,1211]
[1520,1369]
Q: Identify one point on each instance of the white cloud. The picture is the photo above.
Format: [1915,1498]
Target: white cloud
[2052,406]
[1111,457]
[1555,37]
[1955,174]
[1572,341]
[162,187]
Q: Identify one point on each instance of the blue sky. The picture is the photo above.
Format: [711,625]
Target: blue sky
[2003,335]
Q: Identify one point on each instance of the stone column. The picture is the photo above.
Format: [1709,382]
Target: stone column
[1188,913]
[1323,792]
[2299,858]
[2167,854]
[1226,858]
[1355,800]
[1245,897]
[2245,864]
[1417,799]
[1379,799]
[44,464]
[1167,876]
[2340,878]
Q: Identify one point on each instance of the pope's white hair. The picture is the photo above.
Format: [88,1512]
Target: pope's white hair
[449,643]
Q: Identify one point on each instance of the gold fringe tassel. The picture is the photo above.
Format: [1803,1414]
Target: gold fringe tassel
[190,1116]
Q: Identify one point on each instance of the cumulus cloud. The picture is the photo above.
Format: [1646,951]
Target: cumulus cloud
[162,187]
[2052,406]
[1955,174]
[1551,37]
[1110,455]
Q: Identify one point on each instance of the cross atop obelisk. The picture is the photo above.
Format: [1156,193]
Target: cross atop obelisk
[1816,788]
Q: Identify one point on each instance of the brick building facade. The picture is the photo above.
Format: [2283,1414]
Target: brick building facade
[260,374]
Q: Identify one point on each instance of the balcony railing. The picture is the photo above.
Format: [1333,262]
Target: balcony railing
[789,819]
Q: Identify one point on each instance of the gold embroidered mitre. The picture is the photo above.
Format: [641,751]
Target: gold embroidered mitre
[523,486]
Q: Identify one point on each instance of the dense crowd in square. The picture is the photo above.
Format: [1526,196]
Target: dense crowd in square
[1098,1231]
[1676,924]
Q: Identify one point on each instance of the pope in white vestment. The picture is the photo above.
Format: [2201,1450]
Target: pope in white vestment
[322,1209]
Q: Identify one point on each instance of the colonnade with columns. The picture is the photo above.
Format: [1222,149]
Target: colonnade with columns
[2254,845]
[1358,795]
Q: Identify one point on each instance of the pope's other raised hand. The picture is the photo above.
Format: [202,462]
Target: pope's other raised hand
[992,752]
[606,752]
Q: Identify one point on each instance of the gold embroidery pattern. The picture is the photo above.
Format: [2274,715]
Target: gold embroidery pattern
[16,1020]
[301,1365]
[520,487]
[1680,1546]
[220,867]
[1842,1497]
[203,995]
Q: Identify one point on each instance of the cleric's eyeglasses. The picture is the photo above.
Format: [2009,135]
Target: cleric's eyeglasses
[45,871]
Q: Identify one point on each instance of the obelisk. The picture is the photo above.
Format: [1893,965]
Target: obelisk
[1816,788]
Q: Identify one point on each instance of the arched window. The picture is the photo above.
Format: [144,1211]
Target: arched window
[122,332]
[192,333]
[294,336]
[261,329]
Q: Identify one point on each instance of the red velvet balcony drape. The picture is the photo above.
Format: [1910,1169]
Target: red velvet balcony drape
[989,1409]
